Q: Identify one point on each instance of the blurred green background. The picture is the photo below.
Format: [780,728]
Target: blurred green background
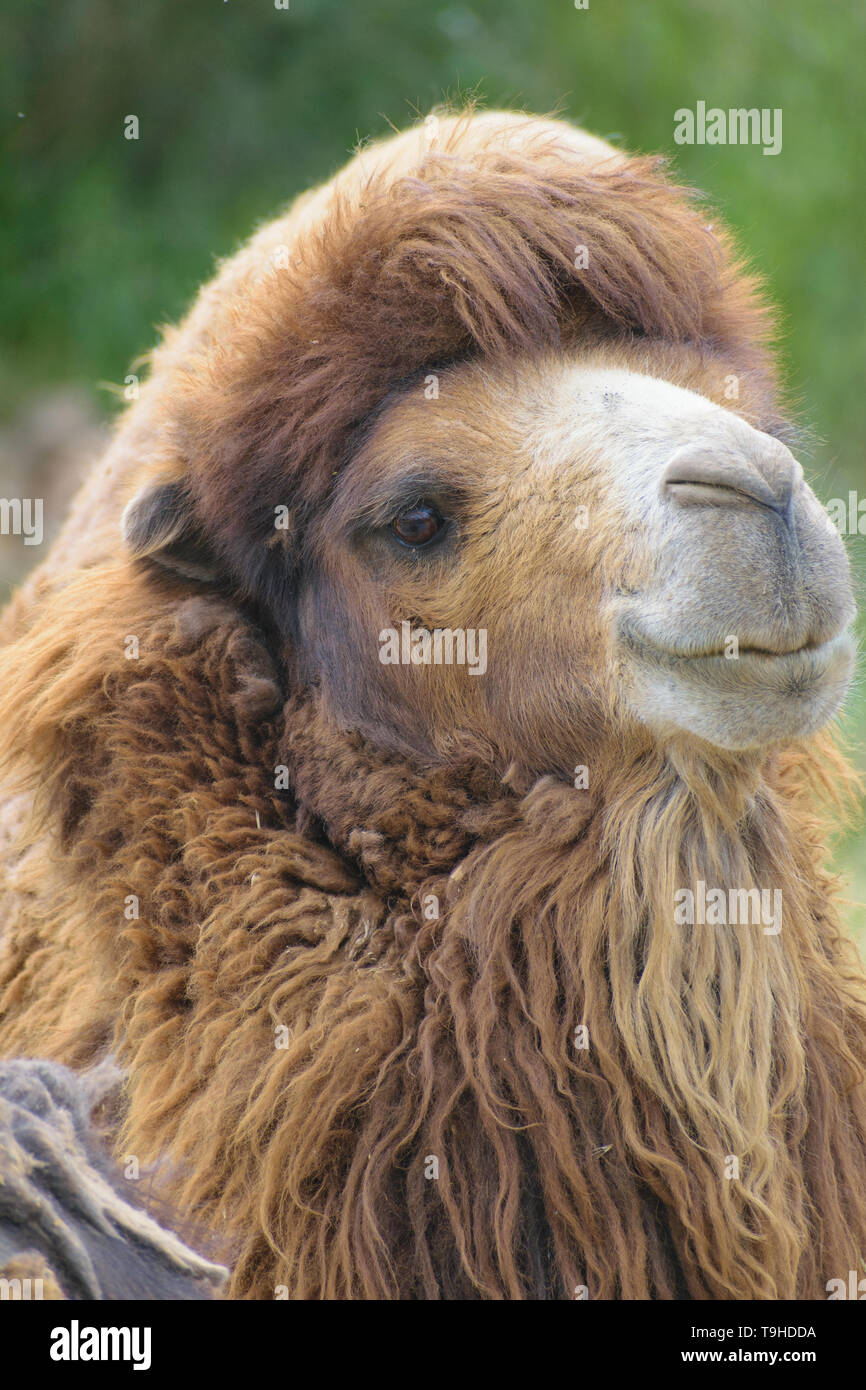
[241,105]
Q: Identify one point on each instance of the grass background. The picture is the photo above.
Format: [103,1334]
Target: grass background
[241,105]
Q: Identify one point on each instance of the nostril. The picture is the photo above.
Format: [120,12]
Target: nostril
[688,493]
[717,478]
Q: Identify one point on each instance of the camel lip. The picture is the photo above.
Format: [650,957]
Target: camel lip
[641,645]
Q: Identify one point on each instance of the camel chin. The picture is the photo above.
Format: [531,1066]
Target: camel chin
[737,703]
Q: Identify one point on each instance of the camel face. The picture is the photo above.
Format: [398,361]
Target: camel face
[619,549]
[740,633]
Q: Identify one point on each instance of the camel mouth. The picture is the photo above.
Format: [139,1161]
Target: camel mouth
[737,698]
[640,644]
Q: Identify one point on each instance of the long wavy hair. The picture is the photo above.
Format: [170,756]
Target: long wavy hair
[349,1011]
[704,1137]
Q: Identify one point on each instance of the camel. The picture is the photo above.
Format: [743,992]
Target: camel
[396,955]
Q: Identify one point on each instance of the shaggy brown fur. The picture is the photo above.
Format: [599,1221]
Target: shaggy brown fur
[465,256]
[411,1037]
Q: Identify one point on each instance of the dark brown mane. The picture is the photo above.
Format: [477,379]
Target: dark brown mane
[471,255]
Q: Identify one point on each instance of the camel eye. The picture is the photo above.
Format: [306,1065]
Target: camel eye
[416,526]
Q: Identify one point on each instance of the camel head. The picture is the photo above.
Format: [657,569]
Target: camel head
[539,553]
[575,481]
[615,548]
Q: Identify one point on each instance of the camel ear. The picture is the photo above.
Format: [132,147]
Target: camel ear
[160,524]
